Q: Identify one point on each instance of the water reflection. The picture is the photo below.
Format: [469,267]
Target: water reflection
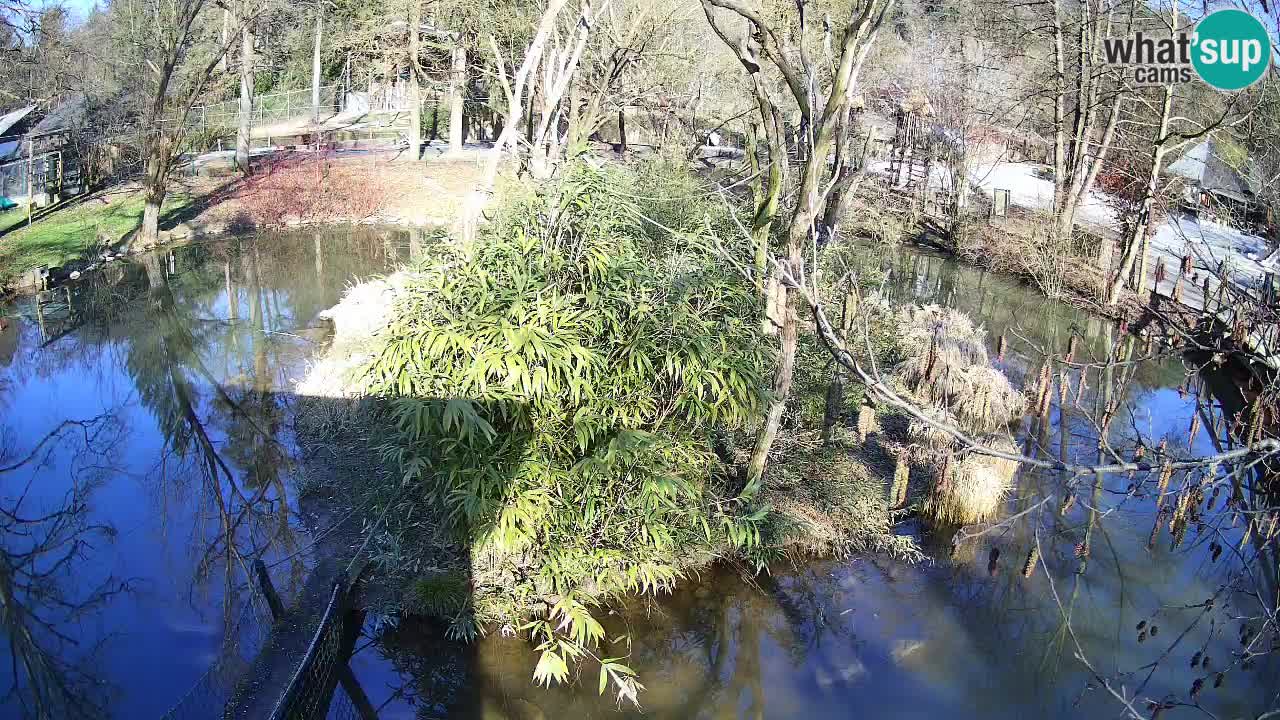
[127,541]
[43,547]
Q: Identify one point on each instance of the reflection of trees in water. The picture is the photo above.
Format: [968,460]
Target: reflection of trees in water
[167,364]
[704,653]
[1105,576]
[206,372]
[46,590]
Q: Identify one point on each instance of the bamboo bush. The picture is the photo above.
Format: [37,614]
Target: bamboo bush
[555,389]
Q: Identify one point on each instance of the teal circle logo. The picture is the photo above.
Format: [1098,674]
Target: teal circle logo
[1231,49]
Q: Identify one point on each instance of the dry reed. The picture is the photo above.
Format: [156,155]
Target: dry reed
[972,489]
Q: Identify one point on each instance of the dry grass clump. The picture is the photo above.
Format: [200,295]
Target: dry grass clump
[947,367]
[947,371]
[985,400]
[934,375]
[926,325]
[928,435]
[837,506]
[970,489]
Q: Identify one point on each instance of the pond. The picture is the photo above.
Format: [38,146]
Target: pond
[147,456]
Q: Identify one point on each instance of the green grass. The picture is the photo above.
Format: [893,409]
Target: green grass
[11,217]
[69,233]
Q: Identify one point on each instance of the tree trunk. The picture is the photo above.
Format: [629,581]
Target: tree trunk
[835,390]
[1135,247]
[226,38]
[1134,259]
[622,130]
[810,203]
[315,67]
[574,138]
[415,86]
[1061,215]
[809,200]
[529,112]
[246,99]
[769,196]
[838,194]
[780,390]
[457,90]
[155,186]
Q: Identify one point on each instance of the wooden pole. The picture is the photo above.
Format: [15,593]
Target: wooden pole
[268,590]
[359,699]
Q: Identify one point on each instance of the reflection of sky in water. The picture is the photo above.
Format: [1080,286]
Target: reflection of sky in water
[875,638]
[152,348]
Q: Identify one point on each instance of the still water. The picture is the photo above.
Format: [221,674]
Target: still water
[147,457]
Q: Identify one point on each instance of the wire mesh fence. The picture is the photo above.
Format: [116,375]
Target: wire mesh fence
[42,172]
[266,109]
[13,181]
[342,707]
[215,689]
[313,683]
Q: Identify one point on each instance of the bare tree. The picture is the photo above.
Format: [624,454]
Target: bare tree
[1168,120]
[823,101]
[174,51]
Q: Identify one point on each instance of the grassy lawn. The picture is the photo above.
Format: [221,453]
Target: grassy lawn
[67,234]
[11,217]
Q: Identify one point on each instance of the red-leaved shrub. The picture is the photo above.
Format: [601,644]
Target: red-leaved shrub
[297,188]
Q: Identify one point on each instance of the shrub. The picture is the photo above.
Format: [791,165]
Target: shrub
[311,189]
[556,386]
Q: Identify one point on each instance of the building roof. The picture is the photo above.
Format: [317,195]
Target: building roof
[66,115]
[12,130]
[1207,166]
[13,118]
